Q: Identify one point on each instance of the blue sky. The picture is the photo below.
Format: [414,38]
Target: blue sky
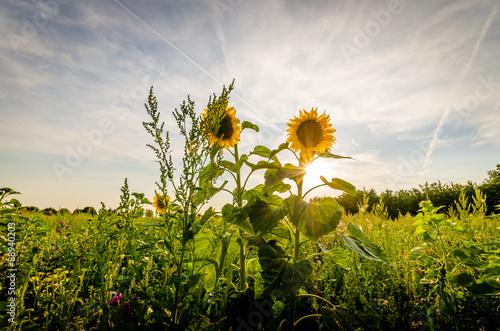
[412,87]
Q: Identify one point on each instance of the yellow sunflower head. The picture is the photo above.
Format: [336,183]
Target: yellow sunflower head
[310,133]
[161,203]
[229,130]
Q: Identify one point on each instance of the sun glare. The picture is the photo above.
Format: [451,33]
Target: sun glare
[314,170]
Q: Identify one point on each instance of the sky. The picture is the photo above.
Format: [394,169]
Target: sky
[411,87]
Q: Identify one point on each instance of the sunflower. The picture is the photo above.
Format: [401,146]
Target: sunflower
[161,203]
[228,133]
[310,134]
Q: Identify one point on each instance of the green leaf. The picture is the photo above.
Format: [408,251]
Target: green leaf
[340,184]
[463,279]
[340,256]
[359,243]
[479,288]
[294,207]
[236,216]
[266,194]
[492,272]
[206,215]
[234,167]
[281,147]
[324,218]
[334,156]
[280,277]
[213,153]
[419,231]
[460,254]
[261,151]
[354,231]
[313,219]
[329,316]
[249,125]
[261,165]
[289,171]
[262,217]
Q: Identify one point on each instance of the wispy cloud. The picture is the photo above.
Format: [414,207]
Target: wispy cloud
[96,60]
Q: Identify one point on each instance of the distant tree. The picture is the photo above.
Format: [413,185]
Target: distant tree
[89,210]
[31,209]
[77,211]
[494,176]
[49,211]
[63,211]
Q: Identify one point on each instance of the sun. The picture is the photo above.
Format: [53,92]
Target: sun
[314,170]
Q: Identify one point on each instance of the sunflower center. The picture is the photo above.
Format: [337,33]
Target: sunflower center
[310,133]
[161,204]
[225,130]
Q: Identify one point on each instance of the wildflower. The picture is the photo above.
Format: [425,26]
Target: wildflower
[115,300]
[57,258]
[67,226]
[310,133]
[423,299]
[82,259]
[127,309]
[58,248]
[228,133]
[161,203]
[62,223]
[482,320]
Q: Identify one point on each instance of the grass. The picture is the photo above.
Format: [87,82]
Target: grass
[71,267]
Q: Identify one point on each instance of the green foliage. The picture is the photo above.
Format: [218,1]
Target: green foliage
[352,291]
[49,211]
[407,201]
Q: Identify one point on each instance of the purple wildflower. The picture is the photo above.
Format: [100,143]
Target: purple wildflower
[115,300]
[67,226]
[57,258]
[62,223]
[58,248]
[482,320]
[127,309]
[82,259]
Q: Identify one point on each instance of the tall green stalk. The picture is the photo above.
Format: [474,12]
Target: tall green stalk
[296,255]
[239,201]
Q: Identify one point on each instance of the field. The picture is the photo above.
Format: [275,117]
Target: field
[272,258]
[72,269]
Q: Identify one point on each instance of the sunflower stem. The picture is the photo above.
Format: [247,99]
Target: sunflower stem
[239,198]
[296,255]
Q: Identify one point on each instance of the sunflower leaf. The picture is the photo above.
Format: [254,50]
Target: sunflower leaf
[261,192]
[249,125]
[263,217]
[359,243]
[340,184]
[264,152]
[313,219]
[236,216]
[329,155]
[279,149]
[281,278]
[261,165]
[234,167]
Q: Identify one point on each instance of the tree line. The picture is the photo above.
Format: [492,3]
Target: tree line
[395,203]
[407,201]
